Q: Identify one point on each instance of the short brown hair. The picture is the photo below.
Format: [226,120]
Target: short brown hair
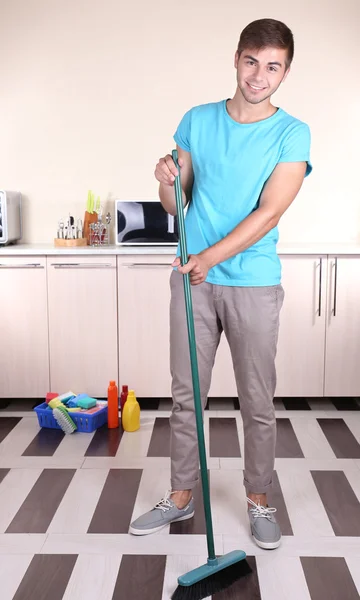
[267,33]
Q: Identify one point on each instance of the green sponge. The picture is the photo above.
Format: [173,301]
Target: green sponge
[86,402]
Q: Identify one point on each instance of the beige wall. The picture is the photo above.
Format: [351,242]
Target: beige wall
[92,90]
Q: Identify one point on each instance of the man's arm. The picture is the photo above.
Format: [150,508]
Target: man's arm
[166,172]
[279,192]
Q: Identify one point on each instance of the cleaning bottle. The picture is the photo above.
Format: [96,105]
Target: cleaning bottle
[131,413]
[113,406]
[123,397]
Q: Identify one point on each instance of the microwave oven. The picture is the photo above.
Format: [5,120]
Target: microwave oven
[10,217]
[144,223]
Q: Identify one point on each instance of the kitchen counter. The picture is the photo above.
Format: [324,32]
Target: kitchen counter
[323,248]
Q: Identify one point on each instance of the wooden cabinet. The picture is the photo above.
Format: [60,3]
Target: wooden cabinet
[301,345]
[24,352]
[82,300]
[144,301]
[76,322]
[342,367]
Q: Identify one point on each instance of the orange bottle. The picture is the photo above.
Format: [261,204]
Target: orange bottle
[113,406]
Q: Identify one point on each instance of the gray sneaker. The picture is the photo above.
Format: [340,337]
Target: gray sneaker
[264,527]
[163,513]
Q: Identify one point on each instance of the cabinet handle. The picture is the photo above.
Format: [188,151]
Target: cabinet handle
[146,265]
[82,266]
[335,265]
[22,266]
[320,286]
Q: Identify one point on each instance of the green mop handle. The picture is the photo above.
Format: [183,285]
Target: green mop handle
[194,364]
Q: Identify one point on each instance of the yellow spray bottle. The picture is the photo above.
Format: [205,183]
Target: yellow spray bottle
[131,413]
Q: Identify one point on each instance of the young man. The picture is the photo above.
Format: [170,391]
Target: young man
[242,162]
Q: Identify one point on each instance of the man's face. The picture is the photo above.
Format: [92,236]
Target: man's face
[260,73]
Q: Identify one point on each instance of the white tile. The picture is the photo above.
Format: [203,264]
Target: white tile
[140,462]
[128,544]
[228,502]
[153,485]
[12,571]
[298,546]
[21,543]
[306,510]
[40,462]
[136,444]
[353,565]
[353,423]
[93,578]
[281,578]
[126,462]
[232,464]
[19,438]
[14,489]
[311,438]
[176,566]
[299,465]
[74,446]
[353,477]
[79,502]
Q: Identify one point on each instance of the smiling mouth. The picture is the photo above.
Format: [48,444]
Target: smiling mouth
[255,88]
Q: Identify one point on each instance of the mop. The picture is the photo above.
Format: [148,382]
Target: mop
[220,571]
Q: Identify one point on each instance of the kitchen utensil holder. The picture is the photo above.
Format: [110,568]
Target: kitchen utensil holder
[98,234]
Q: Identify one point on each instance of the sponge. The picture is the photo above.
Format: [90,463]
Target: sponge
[84,401]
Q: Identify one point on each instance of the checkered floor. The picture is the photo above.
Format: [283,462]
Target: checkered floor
[66,504]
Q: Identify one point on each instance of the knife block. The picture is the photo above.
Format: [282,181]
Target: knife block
[88,219]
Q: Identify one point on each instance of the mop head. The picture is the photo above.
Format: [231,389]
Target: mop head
[212,578]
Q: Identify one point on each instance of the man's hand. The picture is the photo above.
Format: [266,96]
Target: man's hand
[197,267]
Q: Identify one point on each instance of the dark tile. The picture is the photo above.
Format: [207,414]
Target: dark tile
[105,442]
[346,403]
[7,424]
[296,404]
[196,525]
[276,499]
[224,438]
[41,504]
[246,588]
[287,445]
[148,403]
[340,502]
[46,577]
[116,503]
[140,577]
[3,473]
[340,438]
[160,438]
[328,578]
[45,443]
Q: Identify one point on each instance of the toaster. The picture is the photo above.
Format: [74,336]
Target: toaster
[10,217]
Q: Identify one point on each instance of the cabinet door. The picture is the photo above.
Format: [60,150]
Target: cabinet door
[82,323]
[144,301]
[24,352]
[342,371]
[301,346]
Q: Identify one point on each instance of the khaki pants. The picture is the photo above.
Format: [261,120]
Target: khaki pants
[249,317]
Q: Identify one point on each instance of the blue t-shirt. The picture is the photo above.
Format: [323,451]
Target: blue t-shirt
[232,162]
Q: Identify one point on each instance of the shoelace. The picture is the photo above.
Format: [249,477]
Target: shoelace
[261,511]
[164,503]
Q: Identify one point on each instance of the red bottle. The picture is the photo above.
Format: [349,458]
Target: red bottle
[113,406]
[124,395]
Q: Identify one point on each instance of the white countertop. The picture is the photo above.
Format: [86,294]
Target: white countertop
[323,248]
